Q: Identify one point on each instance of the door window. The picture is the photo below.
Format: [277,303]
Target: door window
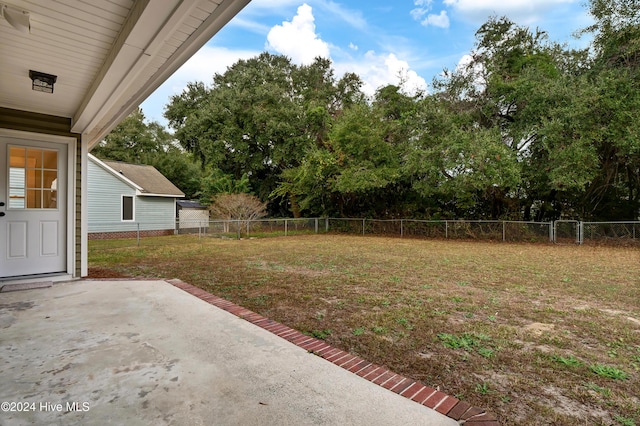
[33,178]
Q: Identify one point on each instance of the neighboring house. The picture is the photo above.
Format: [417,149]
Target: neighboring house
[192,216]
[70,72]
[126,200]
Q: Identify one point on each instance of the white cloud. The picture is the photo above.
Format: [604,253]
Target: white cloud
[441,20]
[423,3]
[378,70]
[525,11]
[411,80]
[423,7]
[475,71]
[298,39]
[418,13]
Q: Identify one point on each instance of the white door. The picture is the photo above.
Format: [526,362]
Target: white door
[33,228]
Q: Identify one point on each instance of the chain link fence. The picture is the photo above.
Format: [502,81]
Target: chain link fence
[619,233]
[259,228]
[560,232]
[447,229]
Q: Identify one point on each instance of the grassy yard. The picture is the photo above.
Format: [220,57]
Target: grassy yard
[537,334]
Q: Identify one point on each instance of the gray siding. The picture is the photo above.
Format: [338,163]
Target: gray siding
[105,193]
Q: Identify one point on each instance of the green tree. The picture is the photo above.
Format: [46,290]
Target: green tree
[131,141]
[180,168]
[527,128]
[259,117]
[615,73]
[215,182]
[138,142]
[357,171]
[466,169]
[532,93]
[182,116]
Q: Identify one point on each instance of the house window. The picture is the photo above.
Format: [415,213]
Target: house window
[127,208]
[33,178]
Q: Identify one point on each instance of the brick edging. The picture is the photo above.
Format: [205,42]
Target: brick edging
[452,407]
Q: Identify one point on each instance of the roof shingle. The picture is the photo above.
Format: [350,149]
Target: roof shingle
[147,177]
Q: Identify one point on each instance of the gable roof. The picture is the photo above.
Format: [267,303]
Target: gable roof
[147,180]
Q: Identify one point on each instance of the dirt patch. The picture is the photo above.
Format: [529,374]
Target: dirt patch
[613,312]
[98,272]
[622,314]
[566,406]
[538,328]
[633,320]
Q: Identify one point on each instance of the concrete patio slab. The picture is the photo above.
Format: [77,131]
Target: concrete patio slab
[146,352]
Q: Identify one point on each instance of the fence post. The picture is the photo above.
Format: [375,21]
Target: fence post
[238,227]
[316,224]
[401,228]
[446,229]
[503,231]
[580,232]
[363,225]
[138,233]
[286,226]
[326,224]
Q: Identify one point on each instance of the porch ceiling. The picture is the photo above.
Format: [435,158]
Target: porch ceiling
[108,55]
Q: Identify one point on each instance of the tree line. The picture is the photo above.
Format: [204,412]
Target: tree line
[526,129]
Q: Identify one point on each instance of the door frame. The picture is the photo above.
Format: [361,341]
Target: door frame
[70,215]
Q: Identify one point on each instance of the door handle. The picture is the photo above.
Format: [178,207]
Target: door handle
[2,214]
[1,203]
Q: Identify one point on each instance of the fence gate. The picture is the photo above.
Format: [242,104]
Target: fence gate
[567,232]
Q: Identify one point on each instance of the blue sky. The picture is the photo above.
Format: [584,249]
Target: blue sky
[379,40]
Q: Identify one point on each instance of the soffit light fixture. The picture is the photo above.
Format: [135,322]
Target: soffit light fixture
[42,82]
[17,18]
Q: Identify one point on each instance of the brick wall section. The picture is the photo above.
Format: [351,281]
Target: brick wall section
[452,407]
[129,234]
